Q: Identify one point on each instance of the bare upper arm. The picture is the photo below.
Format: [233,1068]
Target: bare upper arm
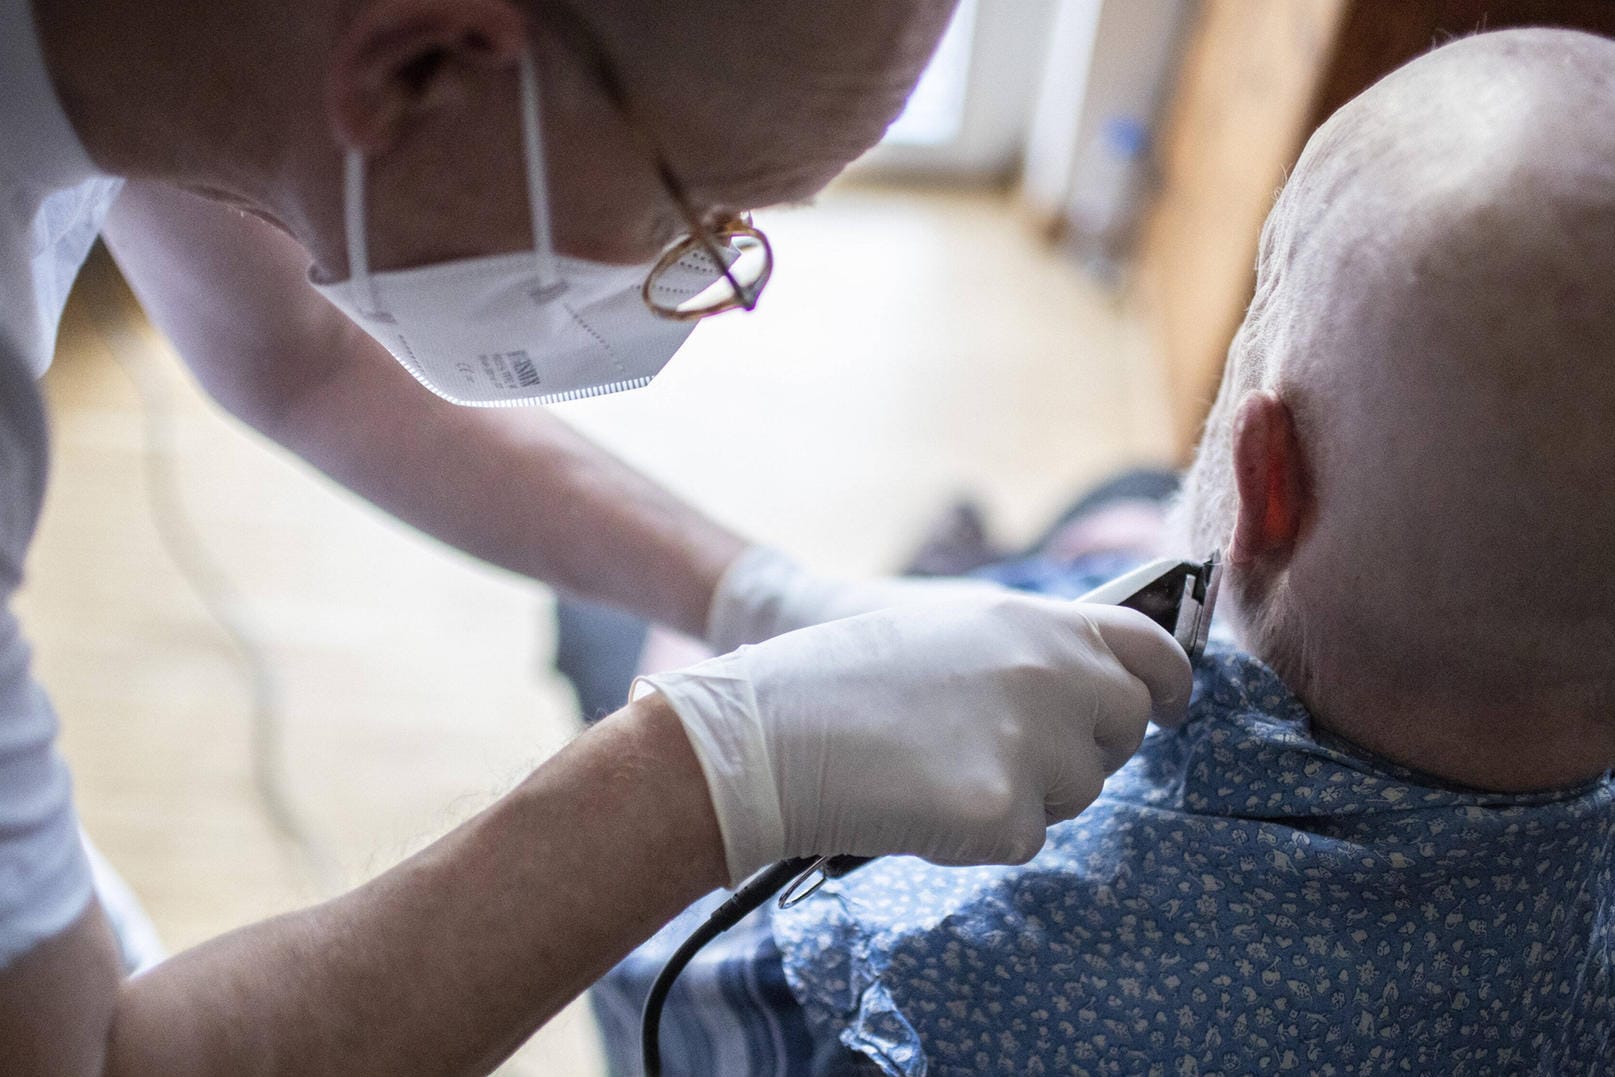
[232,294]
[57,1001]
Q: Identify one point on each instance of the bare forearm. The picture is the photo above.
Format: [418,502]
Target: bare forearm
[444,964]
[515,487]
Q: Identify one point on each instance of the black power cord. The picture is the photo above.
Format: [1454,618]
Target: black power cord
[752,895]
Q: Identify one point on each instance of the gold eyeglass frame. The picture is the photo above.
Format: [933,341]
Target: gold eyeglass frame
[707,240]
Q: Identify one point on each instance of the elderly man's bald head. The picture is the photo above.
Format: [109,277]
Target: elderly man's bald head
[1434,333]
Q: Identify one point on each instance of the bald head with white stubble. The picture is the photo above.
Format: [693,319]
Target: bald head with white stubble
[1409,460]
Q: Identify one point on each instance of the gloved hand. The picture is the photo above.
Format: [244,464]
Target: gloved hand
[955,730]
[764,593]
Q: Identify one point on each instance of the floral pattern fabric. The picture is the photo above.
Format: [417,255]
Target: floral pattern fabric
[1247,896]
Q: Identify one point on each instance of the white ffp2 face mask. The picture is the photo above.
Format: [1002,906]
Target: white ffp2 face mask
[531,327]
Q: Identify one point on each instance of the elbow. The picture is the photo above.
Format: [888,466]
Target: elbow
[270,387]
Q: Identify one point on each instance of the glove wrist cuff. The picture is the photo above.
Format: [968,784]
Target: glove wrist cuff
[716,707]
[748,602]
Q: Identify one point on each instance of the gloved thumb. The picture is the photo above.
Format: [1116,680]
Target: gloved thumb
[1148,652]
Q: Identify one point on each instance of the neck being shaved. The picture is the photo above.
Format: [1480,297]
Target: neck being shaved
[1436,305]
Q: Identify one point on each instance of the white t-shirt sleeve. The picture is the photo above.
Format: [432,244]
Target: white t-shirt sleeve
[44,874]
[52,203]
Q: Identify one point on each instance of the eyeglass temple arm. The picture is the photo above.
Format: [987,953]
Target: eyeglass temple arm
[570,25]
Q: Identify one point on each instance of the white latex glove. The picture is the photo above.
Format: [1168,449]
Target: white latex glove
[764,593]
[956,730]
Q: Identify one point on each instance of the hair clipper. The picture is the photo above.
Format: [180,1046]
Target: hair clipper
[1180,596]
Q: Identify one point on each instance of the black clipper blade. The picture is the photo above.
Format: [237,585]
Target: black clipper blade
[1177,595]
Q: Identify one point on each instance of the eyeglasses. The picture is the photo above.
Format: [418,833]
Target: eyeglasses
[733,253]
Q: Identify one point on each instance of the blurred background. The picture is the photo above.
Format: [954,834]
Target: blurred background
[269,691]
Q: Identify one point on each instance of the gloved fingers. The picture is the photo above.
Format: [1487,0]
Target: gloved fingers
[1121,717]
[1081,777]
[1149,653]
[1013,840]
[1025,838]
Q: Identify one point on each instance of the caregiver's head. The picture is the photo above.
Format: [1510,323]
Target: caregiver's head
[748,102]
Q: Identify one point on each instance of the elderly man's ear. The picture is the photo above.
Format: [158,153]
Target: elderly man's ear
[1270,477]
[400,59]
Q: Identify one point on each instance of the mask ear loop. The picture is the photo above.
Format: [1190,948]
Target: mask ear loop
[550,283]
[353,204]
[353,220]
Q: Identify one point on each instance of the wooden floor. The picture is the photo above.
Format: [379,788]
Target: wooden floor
[912,346]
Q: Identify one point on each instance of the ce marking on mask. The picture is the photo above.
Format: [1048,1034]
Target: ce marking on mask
[507,370]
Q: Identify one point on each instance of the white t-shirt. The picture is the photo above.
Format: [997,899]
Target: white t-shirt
[52,203]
